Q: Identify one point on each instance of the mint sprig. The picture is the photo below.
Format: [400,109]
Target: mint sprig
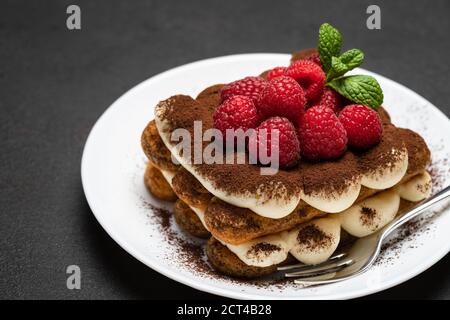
[360,89]
[349,60]
[330,42]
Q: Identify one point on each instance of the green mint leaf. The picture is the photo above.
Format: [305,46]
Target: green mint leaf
[352,58]
[338,68]
[360,89]
[346,62]
[330,42]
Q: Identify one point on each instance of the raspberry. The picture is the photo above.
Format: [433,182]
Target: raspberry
[249,86]
[276,72]
[363,126]
[311,54]
[304,54]
[330,99]
[287,143]
[284,97]
[316,59]
[309,75]
[321,134]
[237,112]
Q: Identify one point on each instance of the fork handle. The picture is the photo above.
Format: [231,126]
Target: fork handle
[417,210]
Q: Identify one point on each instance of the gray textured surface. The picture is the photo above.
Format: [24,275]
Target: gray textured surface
[54,84]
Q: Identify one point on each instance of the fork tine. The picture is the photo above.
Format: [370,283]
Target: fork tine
[316,280]
[322,269]
[302,266]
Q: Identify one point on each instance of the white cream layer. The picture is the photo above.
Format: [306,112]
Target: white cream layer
[278,207]
[384,206]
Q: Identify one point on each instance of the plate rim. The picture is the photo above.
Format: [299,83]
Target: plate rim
[204,286]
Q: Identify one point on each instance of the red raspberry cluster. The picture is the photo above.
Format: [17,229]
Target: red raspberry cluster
[312,120]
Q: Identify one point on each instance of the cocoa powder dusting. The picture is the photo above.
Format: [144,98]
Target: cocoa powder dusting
[405,234]
[384,155]
[367,216]
[160,215]
[439,170]
[424,188]
[327,178]
[313,238]
[323,177]
[189,253]
[262,248]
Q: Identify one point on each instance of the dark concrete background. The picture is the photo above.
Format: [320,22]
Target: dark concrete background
[55,83]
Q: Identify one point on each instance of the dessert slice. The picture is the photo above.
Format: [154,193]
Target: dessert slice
[240,228]
[346,170]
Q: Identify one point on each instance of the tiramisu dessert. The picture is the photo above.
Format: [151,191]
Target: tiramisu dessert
[343,170]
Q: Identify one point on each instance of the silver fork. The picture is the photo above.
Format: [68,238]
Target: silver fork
[358,258]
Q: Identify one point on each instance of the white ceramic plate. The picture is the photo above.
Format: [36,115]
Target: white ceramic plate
[113,166]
